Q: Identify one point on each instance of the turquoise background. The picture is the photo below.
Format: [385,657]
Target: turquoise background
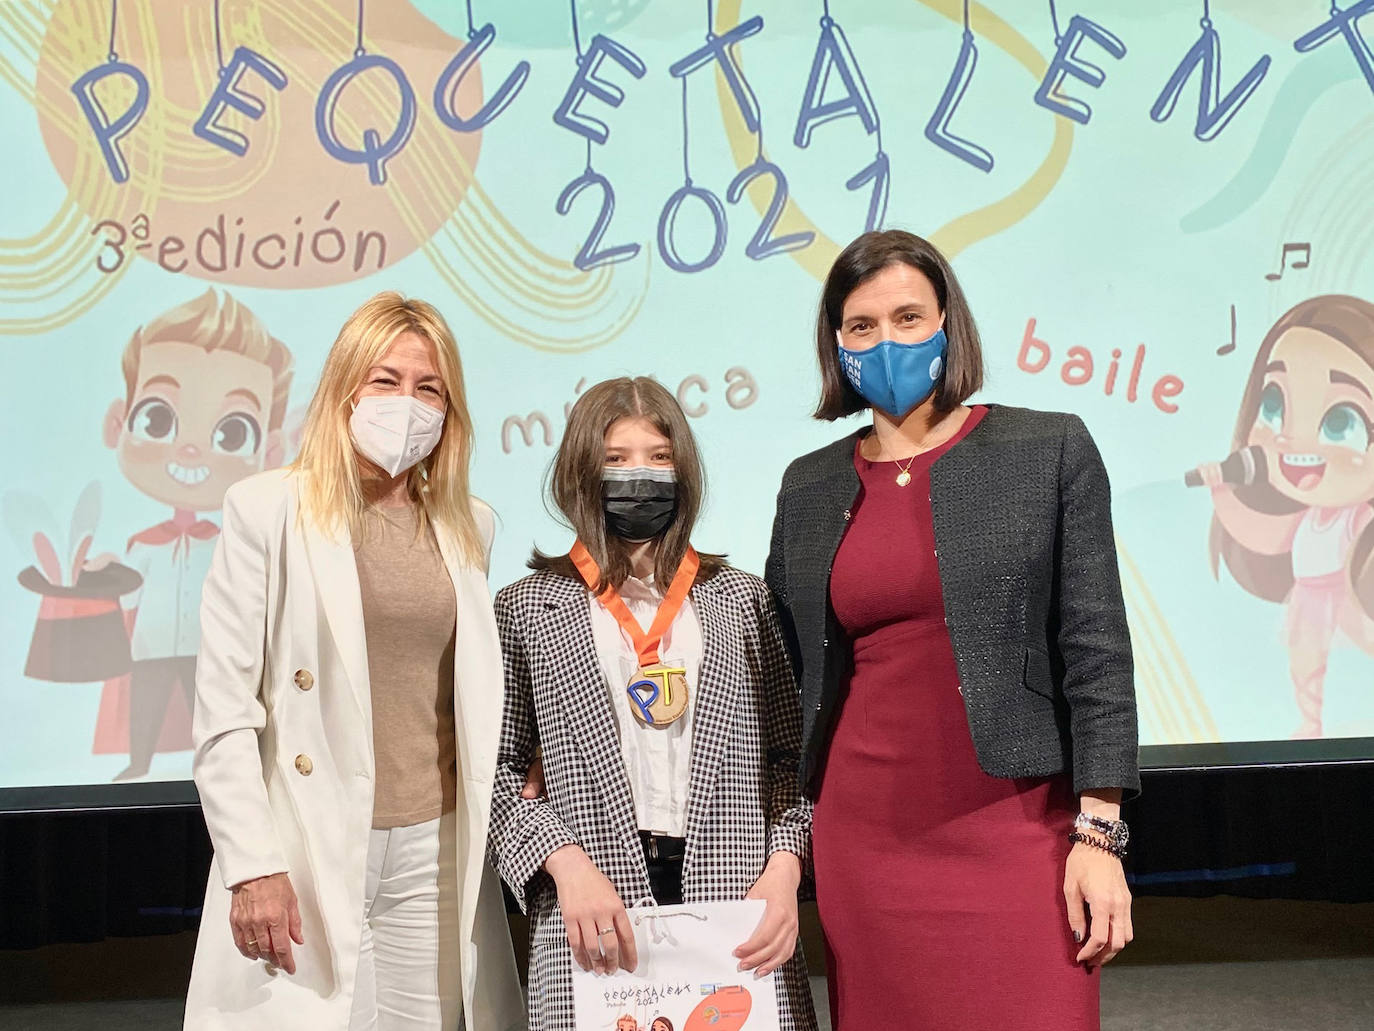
[1148,237]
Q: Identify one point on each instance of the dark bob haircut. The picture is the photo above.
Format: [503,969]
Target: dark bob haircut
[857,264]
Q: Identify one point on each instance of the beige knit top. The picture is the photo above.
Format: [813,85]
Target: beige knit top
[409,616]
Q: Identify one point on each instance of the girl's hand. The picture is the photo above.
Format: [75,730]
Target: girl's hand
[1095,879]
[591,906]
[775,939]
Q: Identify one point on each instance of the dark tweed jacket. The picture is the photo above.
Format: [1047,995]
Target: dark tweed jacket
[743,802]
[1032,594]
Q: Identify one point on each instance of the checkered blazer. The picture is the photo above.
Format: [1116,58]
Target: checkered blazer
[744,803]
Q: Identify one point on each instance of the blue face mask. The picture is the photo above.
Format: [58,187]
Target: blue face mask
[896,377]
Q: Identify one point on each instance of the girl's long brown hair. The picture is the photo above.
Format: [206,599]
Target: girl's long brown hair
[574,486]
[1350,321]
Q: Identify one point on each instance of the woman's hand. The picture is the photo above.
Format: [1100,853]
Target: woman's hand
[590,906]
[1096,878]
[265,920]
[775,939]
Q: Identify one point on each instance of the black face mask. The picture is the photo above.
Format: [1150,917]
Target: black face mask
[640,503]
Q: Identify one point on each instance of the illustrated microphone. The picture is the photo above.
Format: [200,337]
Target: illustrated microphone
[1241,469]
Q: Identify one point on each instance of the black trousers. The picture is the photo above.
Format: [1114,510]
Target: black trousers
[663,858]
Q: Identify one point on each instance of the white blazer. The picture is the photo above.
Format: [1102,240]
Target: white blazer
[284,765]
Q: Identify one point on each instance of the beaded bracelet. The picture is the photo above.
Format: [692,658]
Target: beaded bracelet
[1079,838]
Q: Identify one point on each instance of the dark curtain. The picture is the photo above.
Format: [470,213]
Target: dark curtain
[1304,832]
[1287,832]
[84,876]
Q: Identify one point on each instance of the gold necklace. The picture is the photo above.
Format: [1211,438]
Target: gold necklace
[904,471]
[904,477]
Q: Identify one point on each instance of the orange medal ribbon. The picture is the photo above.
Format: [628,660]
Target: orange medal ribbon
[658,695]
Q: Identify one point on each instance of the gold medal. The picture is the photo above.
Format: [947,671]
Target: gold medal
[658,695]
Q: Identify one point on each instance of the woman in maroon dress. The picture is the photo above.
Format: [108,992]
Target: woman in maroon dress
[949,581]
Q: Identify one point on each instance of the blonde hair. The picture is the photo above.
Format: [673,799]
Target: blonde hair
[215,323]
[332,492]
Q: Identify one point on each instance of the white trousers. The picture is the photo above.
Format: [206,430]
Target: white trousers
[408,973]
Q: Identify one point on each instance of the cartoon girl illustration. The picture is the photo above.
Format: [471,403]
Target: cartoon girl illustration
[661,1024]
[1297,530]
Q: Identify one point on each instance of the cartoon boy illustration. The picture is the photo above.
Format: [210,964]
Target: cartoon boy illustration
[626,1023]
[1297,528]
[205,396]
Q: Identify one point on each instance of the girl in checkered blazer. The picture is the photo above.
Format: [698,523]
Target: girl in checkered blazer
[669,766]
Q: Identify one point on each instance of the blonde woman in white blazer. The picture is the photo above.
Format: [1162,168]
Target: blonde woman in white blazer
[348,707]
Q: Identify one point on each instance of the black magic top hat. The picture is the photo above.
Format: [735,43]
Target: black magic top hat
[79,637]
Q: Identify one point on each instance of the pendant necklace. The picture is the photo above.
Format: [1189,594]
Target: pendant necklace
[904,471]
[904,477]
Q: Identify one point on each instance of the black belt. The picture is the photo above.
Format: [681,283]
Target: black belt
[660,846]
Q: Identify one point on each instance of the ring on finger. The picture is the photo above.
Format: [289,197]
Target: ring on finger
[605,931]
[252,943]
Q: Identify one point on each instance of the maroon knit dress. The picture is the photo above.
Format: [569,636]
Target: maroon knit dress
[940,887]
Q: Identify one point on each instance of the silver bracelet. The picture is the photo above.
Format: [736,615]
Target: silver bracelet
[1115,831]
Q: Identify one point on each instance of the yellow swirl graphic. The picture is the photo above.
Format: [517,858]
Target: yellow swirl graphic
[1172,708]
[433,203]
[955,235]
[49,278]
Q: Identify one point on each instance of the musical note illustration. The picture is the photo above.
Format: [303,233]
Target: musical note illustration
[1228,348]
[1305,249]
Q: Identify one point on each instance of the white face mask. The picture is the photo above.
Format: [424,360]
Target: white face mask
[395,432]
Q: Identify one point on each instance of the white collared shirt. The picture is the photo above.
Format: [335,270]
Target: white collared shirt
[168,603]
[658,760]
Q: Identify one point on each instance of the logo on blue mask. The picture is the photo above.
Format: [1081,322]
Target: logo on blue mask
[896,377]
